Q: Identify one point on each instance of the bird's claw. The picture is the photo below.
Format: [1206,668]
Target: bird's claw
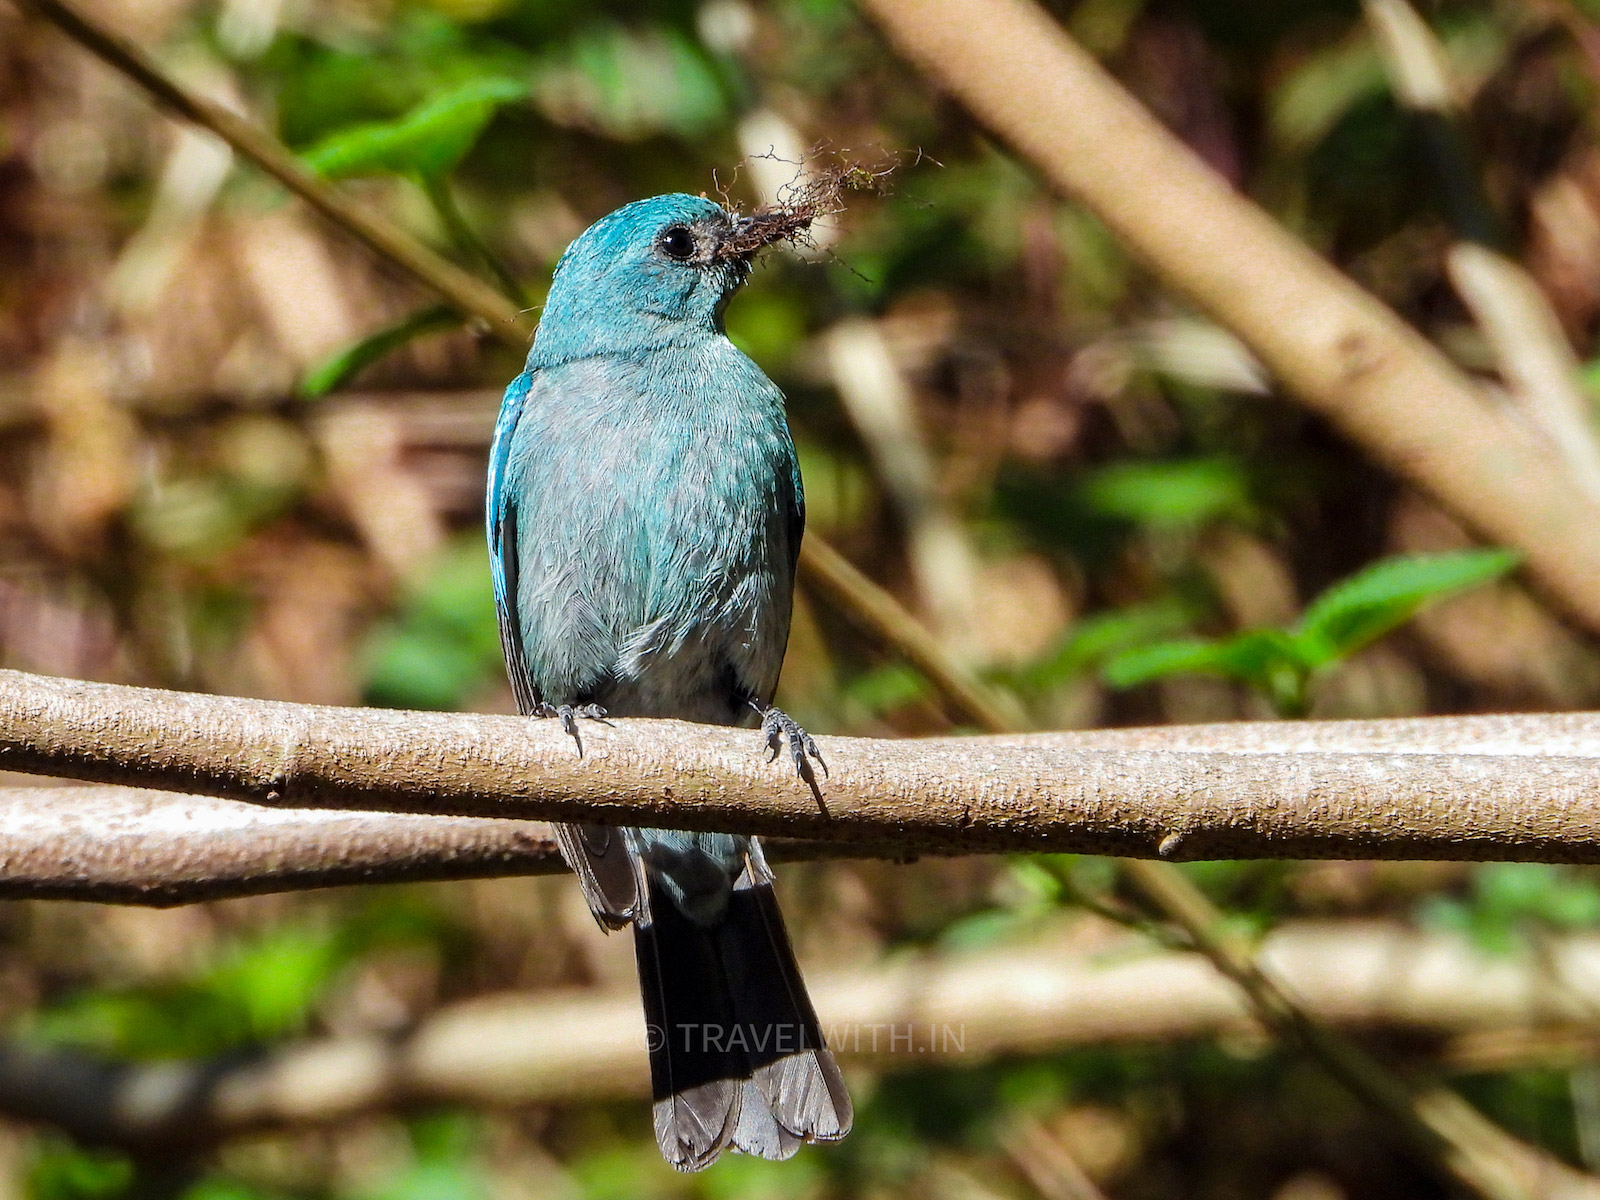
[569,715]
[780,727]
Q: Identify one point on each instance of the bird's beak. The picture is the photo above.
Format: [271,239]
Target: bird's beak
[742,239]
[749,233]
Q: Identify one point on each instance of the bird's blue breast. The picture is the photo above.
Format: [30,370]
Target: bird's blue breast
[654,510]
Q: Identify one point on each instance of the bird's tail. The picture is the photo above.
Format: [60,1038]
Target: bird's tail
[736,1055]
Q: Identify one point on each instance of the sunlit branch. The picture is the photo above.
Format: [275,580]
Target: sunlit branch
[1464,788]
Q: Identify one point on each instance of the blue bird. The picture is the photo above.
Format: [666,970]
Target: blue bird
[644,520]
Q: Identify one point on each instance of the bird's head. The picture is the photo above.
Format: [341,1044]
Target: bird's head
[652,273]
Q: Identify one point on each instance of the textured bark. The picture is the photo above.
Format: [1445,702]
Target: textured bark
[1498,787]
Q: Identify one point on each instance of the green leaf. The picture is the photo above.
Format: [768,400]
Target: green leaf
[1254,655]
[1170,494]
[1096,638]
[630,81]
[1266,659]
[275,980]
[428,141]
[1145,664]
[1540,892]
[1511,902]
[60,1171]
[886,688]
[1363,608]
[341,366]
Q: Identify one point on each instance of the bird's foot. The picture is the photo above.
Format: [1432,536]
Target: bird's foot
[569,715]
[779,727]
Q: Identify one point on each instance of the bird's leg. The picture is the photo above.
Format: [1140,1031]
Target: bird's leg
[569,714]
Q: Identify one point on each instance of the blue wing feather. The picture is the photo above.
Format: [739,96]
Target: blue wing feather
[796,515]
[500,517]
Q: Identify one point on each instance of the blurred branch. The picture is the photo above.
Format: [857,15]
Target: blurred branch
[1346,355]
[1433,1120]
[1536,362]
[968,1008]
[1048,1164]
[879,403]
[1440,1127]
[1460,788]
[1353,373]
[1338,348]
[1420,75]
[128,846]
[1419,68]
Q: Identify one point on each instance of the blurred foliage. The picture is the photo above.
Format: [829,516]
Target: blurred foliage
[443,643]
[248,992]
[1509,902]
[1134,502]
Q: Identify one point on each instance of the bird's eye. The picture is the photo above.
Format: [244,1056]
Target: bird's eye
[677,242]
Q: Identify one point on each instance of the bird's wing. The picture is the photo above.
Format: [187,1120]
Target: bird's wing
[597,854]
[796,514]
[501,520]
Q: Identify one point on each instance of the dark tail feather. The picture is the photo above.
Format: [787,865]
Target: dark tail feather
[797,1079]
[736,1055]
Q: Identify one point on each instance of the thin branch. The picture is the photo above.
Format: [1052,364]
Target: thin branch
[1047,1163]
[581,1046]
[120,845]
[1338,348]
[1535,360]
[1460,788]
[129,846]
[1342,351]
[1433,1120]
[1440,1127]
[1346,355]
[880,403]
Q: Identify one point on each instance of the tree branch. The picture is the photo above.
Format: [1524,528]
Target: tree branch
[824,567]
[1341,350]
[121,845]
[128,846]
[1509,787]
[878,613]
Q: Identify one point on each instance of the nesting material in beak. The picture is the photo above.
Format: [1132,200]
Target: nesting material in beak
[820,194]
